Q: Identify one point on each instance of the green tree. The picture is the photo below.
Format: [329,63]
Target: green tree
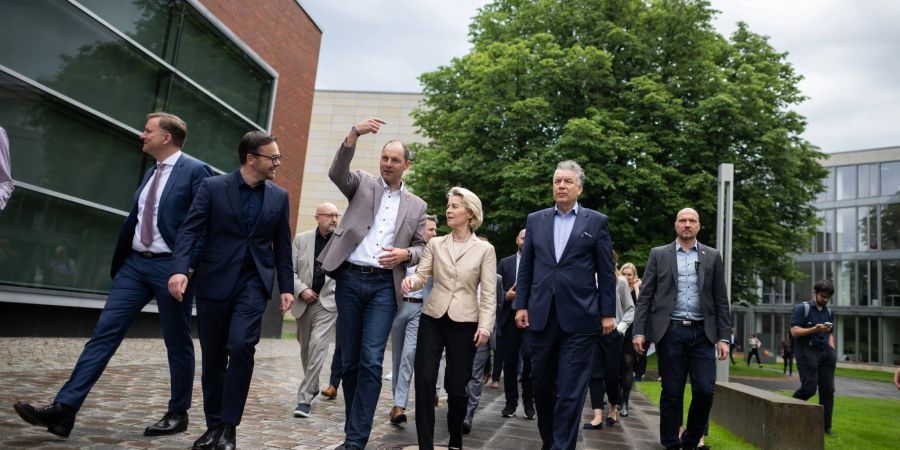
[649,99]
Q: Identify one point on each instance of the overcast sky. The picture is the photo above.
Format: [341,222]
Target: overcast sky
[848,52]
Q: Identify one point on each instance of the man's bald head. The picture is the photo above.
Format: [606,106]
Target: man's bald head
[687,225]
[327,217]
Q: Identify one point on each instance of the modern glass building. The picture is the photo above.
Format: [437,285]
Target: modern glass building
[77,78]
[857,246]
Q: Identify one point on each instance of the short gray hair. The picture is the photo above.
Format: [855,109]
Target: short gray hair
[432,218]
[571,166]
[472,204]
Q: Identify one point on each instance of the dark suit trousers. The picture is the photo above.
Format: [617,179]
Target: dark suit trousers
[435,335]
[229,331]
[605,373]
[685,351]
[561,364]
[515,340]
[137,282]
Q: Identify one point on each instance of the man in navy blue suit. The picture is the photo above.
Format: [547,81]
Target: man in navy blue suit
[244,219]
[140,269]
[565,295]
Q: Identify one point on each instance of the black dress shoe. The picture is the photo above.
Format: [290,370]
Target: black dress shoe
[58,418]
[467,427]
[227,438]
[208,439]
[590,426]
[171,423]
[529,412]
[508,411]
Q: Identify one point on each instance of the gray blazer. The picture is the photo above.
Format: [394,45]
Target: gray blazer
[364,190]
[304,249]
[659,290]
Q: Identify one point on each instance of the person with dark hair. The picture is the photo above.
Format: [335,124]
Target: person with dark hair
[787,354]
[243,218]
[141,264]
[382,233]
[812,325]
[514,341]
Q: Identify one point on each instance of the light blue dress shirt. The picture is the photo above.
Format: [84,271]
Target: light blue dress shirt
[562,228]
[687,303]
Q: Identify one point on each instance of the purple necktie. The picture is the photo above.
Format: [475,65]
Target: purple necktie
[149,206]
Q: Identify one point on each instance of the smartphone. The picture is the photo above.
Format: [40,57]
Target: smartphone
[829,324]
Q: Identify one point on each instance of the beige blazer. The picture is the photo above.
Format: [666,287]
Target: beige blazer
[456,281]
[303,251]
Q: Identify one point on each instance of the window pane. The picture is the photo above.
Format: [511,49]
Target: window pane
[875,339]
[846,283]
[890,279]
[868,221]
[49,139]
[890,226]
[890,178]
[848,338]
[868,180]
[846,182]
[803,290]
[828,182]
[146,21]
[51,243]
[864,295]
[846,230]
[218,65]
[78,57]
[213,133]
[863,332]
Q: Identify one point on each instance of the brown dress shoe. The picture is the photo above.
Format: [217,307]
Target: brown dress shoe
[330,392]
[398,415]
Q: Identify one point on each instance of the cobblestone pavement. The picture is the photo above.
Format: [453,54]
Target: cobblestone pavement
[133,393]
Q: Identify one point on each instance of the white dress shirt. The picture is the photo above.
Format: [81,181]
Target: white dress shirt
[159,244]
[381,234]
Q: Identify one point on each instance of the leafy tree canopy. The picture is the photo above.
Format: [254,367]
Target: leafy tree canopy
[649,99]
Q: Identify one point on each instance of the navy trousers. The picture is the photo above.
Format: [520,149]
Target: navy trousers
[683,351]
[137,282]
[229,331]
[561,366]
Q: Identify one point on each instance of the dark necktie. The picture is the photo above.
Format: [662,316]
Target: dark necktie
[149,207]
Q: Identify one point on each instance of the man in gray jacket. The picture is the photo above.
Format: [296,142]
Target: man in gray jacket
[382,233]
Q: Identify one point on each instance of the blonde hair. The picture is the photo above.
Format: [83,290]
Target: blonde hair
[629,265]
[472,204]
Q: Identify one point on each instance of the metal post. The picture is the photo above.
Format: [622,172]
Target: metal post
[724,215]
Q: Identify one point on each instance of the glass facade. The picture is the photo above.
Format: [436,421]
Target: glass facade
[73,99]
[857,246]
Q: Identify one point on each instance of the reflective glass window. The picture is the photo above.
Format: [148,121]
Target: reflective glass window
[77,56]
[52,243]
[890,279]
[58,148]
[150,23]
[846,283]
[213,132]
[890,226]
[867,180]
[803,289]
[864,293]
[845,185]
[828,183]
[890,178]
[846,229]
[848,337]
[868,224]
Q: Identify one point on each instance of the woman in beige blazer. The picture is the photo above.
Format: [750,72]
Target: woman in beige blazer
[459,315]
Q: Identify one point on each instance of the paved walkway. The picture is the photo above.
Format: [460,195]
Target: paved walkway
[134,390]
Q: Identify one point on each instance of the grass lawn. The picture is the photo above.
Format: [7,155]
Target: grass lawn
[873,375]
[288,327]
[862,422]
[719,438]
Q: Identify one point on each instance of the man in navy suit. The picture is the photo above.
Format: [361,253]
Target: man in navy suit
[566,283]
[244,218]
[140,269]
[512,339]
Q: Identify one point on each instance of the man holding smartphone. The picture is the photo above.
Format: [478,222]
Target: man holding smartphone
[812,324]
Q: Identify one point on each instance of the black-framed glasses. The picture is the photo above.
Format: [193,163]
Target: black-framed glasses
[273,158]
[333,216]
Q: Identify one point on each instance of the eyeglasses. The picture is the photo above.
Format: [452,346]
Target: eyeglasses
[273,158]
[333,216]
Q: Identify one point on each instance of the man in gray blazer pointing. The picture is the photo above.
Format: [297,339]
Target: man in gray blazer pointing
[382,233]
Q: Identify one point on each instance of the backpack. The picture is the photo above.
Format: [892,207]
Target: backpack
[806,309]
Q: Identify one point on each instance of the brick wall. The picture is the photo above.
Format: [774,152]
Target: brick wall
[282,34]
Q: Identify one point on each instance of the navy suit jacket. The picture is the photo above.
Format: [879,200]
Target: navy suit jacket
[582,285]
[217,216]
[176,198]
[507,270]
